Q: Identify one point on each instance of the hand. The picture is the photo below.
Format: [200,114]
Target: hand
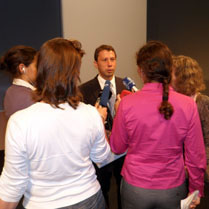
[117,102]
[8,205]
[195,203]
[102,111]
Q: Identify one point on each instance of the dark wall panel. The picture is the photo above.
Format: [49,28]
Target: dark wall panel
[183,26]
[29,23]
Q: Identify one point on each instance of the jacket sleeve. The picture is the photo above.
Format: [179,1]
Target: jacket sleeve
[203,109]
[195,158]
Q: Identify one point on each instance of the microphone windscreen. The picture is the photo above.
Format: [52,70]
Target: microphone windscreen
[129,83]
[124,93]
[105,94]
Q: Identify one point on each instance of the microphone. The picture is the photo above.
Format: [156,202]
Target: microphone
[103,100]
[105,94]
[129,84]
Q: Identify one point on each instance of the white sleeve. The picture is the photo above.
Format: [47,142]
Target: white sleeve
[13,180]
[100,150]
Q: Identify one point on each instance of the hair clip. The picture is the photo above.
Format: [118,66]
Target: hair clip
[77,45]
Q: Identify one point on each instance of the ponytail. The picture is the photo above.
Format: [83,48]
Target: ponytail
[165,107]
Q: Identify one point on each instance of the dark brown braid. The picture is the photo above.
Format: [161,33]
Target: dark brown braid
[165,107]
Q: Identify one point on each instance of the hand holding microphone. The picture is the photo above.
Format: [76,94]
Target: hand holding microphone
[105,94]
[102,111]
[103,102]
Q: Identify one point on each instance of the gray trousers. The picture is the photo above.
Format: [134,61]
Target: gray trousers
[94,202]
[138,198]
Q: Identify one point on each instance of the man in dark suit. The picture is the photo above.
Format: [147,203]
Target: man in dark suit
[105,61]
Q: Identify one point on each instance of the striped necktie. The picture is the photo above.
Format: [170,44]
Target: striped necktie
[112,101]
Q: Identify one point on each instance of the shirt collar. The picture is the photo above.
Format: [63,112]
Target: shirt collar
[195,96]
[20,82]
[154,86]
[102,82]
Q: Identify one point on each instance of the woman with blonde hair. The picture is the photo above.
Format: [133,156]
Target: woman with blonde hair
[188,80]
[187,76]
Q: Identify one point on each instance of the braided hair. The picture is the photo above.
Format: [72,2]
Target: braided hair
[155,61]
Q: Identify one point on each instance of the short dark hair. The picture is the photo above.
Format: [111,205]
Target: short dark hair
[15,56]
[101,48]
[58,64]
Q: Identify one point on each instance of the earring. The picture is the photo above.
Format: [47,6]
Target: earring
[23,69]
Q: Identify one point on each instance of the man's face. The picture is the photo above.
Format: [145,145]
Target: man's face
[106,64]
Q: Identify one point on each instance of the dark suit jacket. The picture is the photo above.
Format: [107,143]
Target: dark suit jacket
[91,89]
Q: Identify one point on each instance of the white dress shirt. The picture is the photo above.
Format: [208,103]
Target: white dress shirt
[102,83]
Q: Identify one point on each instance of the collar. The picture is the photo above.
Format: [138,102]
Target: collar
[154,86]
[20,82]
[102,82]
[195,96]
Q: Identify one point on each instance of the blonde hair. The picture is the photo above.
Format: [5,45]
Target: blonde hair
[188,75]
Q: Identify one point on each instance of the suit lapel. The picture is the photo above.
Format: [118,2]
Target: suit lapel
[119,85]
[97,88]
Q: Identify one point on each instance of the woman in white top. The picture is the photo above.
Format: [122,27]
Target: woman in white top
[50,145]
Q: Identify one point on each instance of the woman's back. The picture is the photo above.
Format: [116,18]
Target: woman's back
[161,132]
[58,145]
[17,98]
[155,145]
[50,145]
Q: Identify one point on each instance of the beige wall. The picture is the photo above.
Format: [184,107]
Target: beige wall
[120,23]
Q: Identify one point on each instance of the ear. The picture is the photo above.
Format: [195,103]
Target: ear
[139,71]
[173,78]
[141,74]
[95,64]
[21,68]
